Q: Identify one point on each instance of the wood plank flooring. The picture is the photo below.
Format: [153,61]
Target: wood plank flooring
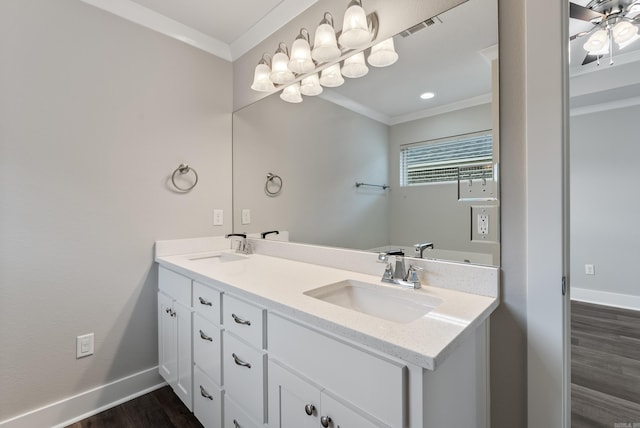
[605,367]
[158,409]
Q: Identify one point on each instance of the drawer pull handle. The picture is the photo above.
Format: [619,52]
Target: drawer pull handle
[205,394]
[236,424]
[309,409]
[240,320]
[205,302]
[325,421]
[239,362]
[205,337]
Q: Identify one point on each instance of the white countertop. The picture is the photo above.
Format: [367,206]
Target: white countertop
[279,284]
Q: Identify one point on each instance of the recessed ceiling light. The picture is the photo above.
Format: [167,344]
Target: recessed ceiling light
[427,95]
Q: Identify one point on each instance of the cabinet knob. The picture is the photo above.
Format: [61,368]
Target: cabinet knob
[205,394]
[309,409]
[325,421]
[236,424]
[204,302]
[239,320]
[168,310]
[203,336]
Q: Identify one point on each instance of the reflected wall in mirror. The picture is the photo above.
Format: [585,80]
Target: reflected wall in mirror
[353,134]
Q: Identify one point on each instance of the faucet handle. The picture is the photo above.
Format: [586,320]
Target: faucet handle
[388,273]
[413,275]
[383,257]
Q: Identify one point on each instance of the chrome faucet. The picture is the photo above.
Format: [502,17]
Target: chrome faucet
[419,248]
[398,276]
[243,247]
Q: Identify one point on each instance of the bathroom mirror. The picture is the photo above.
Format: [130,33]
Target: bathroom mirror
[338,154]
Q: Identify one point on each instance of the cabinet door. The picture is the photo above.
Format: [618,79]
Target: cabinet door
[293,403]
[167,349]
[335,414]
[184,364]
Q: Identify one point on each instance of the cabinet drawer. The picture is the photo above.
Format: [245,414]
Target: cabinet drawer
[235,417]
[206,302]
[245,320]
[342,369]
[207,348]
[175,285]
[244,376]
[207,400]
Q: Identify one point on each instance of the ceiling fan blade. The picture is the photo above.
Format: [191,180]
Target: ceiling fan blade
[580,34]
[580,12]
[591,58]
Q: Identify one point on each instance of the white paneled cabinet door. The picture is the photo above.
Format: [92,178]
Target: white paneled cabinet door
[184,365]
[293,403]
[167,344]
[335,414]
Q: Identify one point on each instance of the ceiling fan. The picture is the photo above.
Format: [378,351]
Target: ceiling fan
[613,20]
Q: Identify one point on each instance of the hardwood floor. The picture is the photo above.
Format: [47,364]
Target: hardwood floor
[158,409]
[605,367]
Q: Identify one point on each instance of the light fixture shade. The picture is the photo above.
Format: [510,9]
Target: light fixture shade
[261,80]
[280,73]
[383,54]
[355,30]
[598,43]
[331,76]
[354,66]
[325,46]
[310,85]
[301,61]
[624,33]
[291,93]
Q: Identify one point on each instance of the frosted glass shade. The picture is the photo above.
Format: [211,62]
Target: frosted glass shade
[598,43]
[354,66]
[355,30]
[291,93]
[280,73]
[624,33]
[261,80]
[331,76]
[325,48]
[383,54]
[301,61]
[310,85]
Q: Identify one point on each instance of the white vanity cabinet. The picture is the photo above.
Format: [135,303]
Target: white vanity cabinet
[174,333]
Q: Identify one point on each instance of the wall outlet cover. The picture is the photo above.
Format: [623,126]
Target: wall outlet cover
[218,217]
[84,345]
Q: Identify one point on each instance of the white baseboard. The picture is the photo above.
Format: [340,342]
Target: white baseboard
[75,408]
[597,297]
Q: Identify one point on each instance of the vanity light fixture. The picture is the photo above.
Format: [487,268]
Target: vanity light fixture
[261,80]
[280,73]
[325,46]
[310,85]
[354,66]
[427,95]
[355,28]
[291,93]
[331,77]
[383,54]
[301,61]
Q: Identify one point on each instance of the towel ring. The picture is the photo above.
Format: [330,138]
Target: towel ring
[184,169]
[276,181]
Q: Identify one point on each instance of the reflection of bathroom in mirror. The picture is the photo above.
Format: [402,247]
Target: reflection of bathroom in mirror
[355,133]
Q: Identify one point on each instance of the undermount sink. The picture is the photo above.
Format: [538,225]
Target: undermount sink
[401,306]
[222,257]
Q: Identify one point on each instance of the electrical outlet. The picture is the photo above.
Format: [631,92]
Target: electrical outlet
[484,221]
[84,345]
[246,216]
[217,217]
[483,224]
[589,269]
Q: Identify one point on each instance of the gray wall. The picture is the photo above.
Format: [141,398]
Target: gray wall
[319,161]
[433,212]
[604,206]
[95,114]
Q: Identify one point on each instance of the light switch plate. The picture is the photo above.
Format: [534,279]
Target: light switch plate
[84,345]
[246,216]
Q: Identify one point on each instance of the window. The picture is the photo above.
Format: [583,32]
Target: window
[438,161]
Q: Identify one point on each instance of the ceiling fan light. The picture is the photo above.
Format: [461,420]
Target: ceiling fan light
[261,80]
[301,61]
[355,29]
[383,54]
[280,73]
[310,85]
[598,43]
[624,33]
[331,76]
[354,66]
[291,94]
[325,46]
